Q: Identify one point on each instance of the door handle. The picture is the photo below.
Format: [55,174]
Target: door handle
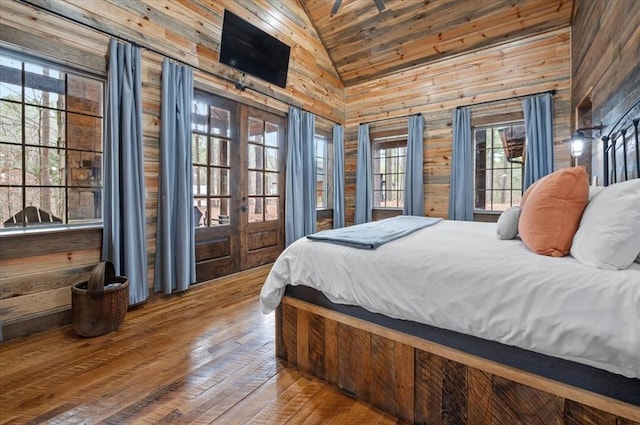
[243,208]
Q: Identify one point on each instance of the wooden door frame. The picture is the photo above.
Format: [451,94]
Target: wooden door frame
[220,248]
[245,112]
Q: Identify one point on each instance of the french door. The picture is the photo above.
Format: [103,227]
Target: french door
[238,168]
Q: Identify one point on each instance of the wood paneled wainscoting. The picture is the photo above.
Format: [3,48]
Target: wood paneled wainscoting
[204,356]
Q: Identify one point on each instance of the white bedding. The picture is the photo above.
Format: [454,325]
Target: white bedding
[459,276]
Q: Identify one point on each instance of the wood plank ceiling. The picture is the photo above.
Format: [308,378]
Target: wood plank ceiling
[364,43]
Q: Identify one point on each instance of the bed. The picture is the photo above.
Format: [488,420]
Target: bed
[490,332]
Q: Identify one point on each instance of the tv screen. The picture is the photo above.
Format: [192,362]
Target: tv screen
[251,50]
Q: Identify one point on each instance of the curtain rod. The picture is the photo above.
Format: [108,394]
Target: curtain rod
[392,118]
[237,84]
[554,91]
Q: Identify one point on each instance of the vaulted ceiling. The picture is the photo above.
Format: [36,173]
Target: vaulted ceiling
[364,43]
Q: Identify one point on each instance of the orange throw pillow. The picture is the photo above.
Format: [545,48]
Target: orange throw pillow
[552,211]
[527,192]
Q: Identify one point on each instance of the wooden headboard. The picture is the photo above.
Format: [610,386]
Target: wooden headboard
[621,159]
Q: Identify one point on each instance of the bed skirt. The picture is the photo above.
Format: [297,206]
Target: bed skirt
[420,381]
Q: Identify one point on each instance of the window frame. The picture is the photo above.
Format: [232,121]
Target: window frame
[495,126]
[50,230]
[399,140]
[213,101]
[328,164]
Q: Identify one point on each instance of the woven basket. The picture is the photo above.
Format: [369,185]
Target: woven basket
[99,305]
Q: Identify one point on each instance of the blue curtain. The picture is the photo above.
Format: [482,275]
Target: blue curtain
[175,243]
[461,186]
[364,177]
[300,201]
[538,123]
[338,176]
[413,180]
[124,242]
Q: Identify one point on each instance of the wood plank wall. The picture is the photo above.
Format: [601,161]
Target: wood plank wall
[606,48]
[531,65]
[33,297]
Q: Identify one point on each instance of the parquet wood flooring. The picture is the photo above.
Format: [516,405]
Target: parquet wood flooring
[205,356]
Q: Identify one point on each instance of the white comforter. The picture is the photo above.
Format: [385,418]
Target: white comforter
[459,276]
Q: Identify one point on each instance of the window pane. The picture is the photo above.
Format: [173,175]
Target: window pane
[84,205]
[220,121]
[256,130]
[48,203]
[255,183]
[255,156]
[10,79]
[378,197]
[44,127]
[271,212]
[10,204]
[44,86]
[219,212]
[199,149]
[501,199]
[200,117]
[255,210]
[516,196]
[84,95]
[219,152]
[11,165]
[320,196]
[45,167]
[320,147]
[199,180]
[271,184]
[85,168]
[219,182]
[271,158]
[10,122]
[516,177]
[271,131]
[85,132]
[200,212]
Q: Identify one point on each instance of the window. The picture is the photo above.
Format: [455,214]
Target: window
[210,141]
[51,126]
[324,172]
[499,159]
[263,169]
[389,161]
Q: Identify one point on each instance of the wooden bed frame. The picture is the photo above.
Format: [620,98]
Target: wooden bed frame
[423,382]
[427,383]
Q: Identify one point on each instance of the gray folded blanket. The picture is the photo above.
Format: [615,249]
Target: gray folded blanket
[372,235]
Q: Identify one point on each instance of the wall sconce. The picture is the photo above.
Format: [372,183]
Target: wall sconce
[577,144]
[578,139]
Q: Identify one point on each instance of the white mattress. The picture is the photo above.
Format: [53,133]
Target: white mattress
[459,276]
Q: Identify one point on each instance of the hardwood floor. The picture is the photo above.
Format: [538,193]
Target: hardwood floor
[206,356]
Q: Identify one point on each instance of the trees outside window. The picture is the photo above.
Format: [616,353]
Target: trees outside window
[389,165]
[51,135]
[499,165]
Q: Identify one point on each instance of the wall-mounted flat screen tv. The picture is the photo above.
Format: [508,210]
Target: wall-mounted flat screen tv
[251,50]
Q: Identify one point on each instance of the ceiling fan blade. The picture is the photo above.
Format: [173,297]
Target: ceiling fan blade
[335,7]
[379,5]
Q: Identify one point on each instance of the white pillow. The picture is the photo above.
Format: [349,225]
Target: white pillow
[609,232]
[508,223]
[594,190]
